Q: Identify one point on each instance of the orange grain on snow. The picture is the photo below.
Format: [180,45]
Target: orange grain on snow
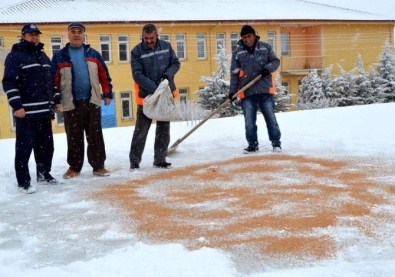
[262,205]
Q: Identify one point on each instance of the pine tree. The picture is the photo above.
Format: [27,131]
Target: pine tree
[364,93]
[282,97]
[217,89]
[331,95]
[385,88]
[311,94]
[344,86]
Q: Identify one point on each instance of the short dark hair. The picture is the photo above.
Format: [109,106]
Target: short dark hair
[149,28]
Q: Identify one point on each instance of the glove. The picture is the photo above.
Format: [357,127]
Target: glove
[265,72]
[230,96]
[164,77]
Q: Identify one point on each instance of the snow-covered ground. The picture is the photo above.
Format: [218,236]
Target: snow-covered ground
[64,231]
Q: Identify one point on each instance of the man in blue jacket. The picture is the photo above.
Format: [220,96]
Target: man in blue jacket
[251,58]
[28,84]
[152,61]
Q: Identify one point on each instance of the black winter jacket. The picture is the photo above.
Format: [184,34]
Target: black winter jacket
[27,80]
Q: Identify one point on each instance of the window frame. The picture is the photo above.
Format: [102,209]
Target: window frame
[184,94]
[107,42]
[165,37]
[181,47]
[234,39]
[271,39]
[285,43]
[201,42]
[220,39]
[124,43]
[53,44]
[126,96]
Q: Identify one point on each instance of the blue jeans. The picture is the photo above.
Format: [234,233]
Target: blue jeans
[266,104]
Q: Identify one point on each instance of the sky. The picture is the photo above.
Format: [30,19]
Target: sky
[66,230]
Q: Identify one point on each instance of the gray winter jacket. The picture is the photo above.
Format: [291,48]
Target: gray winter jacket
[246,65]
[149,65]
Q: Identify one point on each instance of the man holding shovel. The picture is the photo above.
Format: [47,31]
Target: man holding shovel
[252,58]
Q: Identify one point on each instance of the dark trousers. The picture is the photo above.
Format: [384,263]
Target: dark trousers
[33,135]
[85,118]
[162,138]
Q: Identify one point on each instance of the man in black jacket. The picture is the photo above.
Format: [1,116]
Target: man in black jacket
[152,61]
[28,83]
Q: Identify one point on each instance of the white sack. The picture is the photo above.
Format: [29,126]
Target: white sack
[160,105]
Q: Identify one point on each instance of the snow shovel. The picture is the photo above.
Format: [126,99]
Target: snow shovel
[224,104]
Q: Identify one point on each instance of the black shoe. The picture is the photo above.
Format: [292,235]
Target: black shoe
[277,148]
[46,177]
[134,166]
[162,165]
[251,149]
[28,189]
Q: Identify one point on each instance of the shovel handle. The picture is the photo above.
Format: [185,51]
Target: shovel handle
[224,104]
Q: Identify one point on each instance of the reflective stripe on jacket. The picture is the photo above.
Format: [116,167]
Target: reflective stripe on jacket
[27,80]
[149,65]
[272,89]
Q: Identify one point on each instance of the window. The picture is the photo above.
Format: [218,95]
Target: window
[56,44]
[183,95]
[220,41]
[271,39]
[234,39]
[285,51]
[123,48]
[1,42]
[180,44]
[105,48]
[285,84]
[126,105]
[164,37]
[201,46]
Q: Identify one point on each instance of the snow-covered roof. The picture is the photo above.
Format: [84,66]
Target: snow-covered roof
[54,11]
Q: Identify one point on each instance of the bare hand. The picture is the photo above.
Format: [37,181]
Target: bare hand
[58,107]
[20,113]
[107,101]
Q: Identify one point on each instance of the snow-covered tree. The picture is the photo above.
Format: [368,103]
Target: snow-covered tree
[385,82]
[327,82]
[282,98]
[311,95]
[364,93]
[217,89]
[345,88]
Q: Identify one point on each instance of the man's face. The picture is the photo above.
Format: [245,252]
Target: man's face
[76,37]
[150,39]
[33,37]
[249,39]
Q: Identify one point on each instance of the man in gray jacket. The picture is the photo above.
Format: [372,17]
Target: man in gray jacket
[152,61]
[251,58]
